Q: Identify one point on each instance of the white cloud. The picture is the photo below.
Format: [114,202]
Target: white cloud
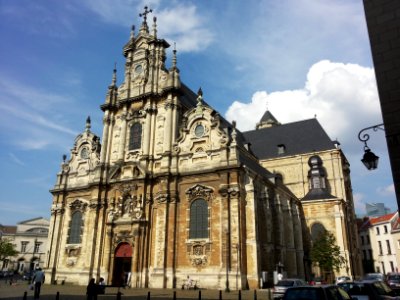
[176,22]
[15,159]
[359,204]
[33,118]
[342,96]
[386,190]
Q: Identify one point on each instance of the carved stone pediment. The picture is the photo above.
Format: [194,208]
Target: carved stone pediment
[78,205]
[199,191]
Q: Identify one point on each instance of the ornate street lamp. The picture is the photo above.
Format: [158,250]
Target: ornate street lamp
[370,160]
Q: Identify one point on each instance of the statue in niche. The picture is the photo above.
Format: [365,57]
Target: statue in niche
[127,205]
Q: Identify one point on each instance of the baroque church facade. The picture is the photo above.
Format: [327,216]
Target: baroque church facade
[175,190]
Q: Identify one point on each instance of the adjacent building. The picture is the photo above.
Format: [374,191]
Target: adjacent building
[175,190]
[30,240]
[379,239]
[376,209]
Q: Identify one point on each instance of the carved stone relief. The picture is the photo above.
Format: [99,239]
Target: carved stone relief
[199,191]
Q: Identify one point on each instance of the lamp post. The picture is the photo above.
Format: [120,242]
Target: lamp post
[370,160]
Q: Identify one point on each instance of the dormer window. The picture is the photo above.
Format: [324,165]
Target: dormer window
[281,149]
[135,136]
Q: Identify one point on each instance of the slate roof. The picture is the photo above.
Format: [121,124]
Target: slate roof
[268,118]
[298,138]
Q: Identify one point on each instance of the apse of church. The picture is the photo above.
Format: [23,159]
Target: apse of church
[173,190]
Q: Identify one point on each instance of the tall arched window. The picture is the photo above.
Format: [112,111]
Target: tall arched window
[135,136]
[198,227]
[316,230]
[75,228]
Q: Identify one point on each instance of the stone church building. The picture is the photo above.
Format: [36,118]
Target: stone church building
[172,189]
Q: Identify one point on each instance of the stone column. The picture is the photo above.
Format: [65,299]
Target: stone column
[106,122]
[168,125]
[122,138]
[111,138]
[135,267]
[147,132]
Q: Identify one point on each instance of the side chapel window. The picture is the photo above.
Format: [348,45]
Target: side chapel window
[198,227]
[135,136]
[75,228]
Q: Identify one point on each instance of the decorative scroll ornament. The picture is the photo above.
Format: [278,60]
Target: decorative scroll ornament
[161,197]
[231,191]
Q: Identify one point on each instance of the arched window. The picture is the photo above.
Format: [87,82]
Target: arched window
[316,230]
[198,228]
[135,136]
[75,228]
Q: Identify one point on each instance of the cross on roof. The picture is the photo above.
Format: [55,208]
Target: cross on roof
[144,14]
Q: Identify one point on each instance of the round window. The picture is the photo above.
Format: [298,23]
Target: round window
[138,69]
[199,130]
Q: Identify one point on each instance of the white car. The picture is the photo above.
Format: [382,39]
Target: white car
[341,279]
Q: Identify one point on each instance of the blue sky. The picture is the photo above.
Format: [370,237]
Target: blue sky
[299,58]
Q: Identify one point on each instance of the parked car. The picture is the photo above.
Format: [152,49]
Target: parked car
[374,276]
[342,279]
[393,281]
[322,292]
[317,281]
[372,290]
[282,285]
[28,275]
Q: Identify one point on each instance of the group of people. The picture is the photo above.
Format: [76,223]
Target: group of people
[93,289]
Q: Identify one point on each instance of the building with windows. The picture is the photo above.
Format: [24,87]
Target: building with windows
[379,239]
[376,209]
[175,190]
[30,240]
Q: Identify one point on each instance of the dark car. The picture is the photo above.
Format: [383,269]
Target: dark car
[28,275]
[393,280]
[282,285]
[322,292]
[372,290]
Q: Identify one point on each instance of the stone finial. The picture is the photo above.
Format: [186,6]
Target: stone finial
[114,77]
[88,125]
[144,15]
[132,32]
[155,27]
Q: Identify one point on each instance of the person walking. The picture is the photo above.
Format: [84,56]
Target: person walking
[37,281]
[91,290]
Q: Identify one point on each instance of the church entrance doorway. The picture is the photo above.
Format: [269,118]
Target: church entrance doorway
[122,265]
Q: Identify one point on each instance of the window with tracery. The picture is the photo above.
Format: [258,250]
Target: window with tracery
[198,227]
[75,228]
[135,136]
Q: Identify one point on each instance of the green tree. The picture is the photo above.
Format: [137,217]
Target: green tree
[325,253]
[7,249]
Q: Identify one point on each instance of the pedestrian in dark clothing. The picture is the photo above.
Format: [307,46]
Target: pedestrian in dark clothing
[91,290]
[38,280]
[101,286]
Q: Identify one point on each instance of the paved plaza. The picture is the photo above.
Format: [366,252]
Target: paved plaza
[74,292]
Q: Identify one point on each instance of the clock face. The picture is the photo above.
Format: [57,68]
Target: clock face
[84,153]
[138,69]
[199,130]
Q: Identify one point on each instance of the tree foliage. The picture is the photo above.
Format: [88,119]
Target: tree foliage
[7,249]
[326,253]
